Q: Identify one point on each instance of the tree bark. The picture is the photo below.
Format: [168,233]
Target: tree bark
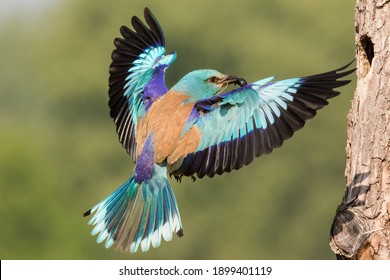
[361,227]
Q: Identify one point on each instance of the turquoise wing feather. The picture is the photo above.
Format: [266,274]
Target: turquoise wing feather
[137,75]
[247,122]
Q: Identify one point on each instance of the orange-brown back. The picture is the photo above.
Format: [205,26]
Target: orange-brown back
[165,119]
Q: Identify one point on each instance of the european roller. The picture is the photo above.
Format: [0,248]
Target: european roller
[194,129]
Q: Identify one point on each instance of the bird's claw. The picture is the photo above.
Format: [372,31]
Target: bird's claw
[178,178]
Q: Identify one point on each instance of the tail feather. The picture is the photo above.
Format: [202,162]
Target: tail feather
[137,215]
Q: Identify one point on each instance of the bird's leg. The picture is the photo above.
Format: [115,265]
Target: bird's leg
[193,178]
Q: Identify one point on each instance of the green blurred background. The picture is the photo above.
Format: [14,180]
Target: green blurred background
[59,151]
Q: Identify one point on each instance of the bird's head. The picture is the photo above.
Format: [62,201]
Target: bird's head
[205,83]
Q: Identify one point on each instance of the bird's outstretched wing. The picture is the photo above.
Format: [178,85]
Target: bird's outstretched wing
[247,122]
[137,75]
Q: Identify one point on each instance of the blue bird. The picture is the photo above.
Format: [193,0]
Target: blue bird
[193,129]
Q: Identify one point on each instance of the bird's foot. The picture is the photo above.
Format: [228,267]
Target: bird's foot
[178,178]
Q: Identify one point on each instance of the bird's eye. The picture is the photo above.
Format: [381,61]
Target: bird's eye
[212,79]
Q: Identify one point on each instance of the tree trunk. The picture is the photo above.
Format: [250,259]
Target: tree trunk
[361,227]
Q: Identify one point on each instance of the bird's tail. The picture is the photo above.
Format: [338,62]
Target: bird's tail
[137,213]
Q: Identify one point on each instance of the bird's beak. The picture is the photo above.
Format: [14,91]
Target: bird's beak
[230,79]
